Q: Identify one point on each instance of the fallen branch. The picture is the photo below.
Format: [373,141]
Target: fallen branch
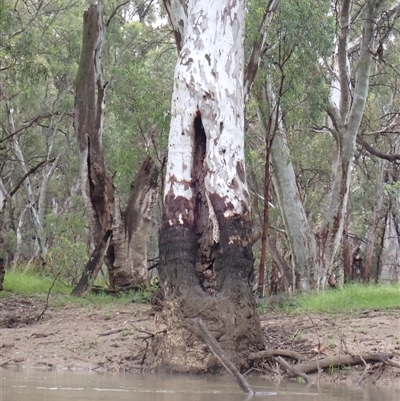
[348,360]
[109,333]
[293,370]
[390,363]
[364,373]
[271,353]
[225,361]
[48,297]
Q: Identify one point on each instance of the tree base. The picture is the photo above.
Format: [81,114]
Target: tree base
[178,345]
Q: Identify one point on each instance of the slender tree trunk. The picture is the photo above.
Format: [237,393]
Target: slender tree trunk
[313,254]
[41,249]
[206,261]
[270,131]
[374,225]
[3,201]
[390,255]
[125,248]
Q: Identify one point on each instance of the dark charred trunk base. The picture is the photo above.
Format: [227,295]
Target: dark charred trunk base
[229,313]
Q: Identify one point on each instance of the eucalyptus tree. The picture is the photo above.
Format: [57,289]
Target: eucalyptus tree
[313,252]
[206,264]
[120,233]
[35,99]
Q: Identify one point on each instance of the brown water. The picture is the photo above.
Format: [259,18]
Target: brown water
[40,385]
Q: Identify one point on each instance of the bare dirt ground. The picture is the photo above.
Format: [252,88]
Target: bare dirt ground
[118,338]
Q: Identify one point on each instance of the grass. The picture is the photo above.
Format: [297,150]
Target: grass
[349,298]
[36,285]
[30,284]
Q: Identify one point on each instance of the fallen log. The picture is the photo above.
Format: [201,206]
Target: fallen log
[271,353]
[342,360]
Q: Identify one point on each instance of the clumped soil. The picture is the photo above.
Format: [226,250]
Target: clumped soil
[117,338]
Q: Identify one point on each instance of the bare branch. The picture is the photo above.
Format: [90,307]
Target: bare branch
[377,153]
[28,125]
[28,173]
[354,45]
[115,11]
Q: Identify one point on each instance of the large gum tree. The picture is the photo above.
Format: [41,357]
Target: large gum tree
[206,262]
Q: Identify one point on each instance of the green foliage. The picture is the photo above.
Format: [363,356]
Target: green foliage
[138,106]
[302,34]
[68,252]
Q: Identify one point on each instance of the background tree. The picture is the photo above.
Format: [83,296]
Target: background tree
[313,256]
[120,236]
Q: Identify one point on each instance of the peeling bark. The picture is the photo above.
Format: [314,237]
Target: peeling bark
[206,261]
[127,230]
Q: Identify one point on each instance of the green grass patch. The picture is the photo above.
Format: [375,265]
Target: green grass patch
[30,284]
[351,297]
[36,285]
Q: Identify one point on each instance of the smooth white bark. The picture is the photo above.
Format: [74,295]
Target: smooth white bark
[390,258]
[3,195]
[33,208]
[209,84]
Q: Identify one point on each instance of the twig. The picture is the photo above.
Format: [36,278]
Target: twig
[380,371]
[145,352]
[48,296]
[319,370]
[364,373]
[143,331]
[109,333]
[350,360]
[295,371]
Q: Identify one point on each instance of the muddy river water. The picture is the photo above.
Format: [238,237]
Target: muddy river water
[41,385]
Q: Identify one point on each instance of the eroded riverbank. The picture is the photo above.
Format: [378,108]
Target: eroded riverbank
[117,338]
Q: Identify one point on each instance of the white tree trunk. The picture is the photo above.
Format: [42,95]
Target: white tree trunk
[3,195]
[302,242]
[204,88]
[205,241]
[390,257]
[32,202]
